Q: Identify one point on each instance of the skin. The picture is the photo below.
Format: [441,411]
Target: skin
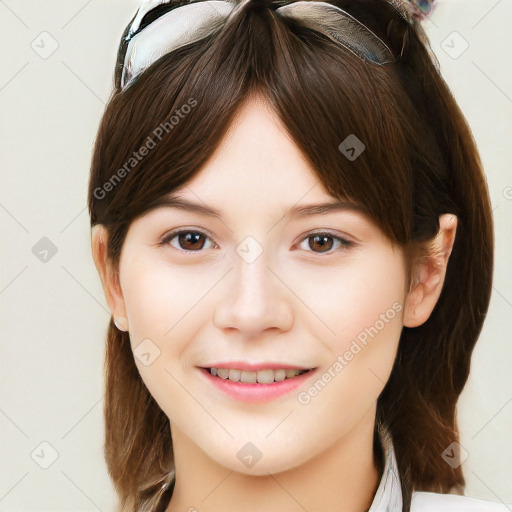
[293,304]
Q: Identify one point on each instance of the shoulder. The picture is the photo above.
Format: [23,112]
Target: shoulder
[436,502]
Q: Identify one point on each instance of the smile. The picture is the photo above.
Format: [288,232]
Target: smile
[261,376]
[256,386]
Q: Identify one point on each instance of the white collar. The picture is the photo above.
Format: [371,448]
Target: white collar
[388,497]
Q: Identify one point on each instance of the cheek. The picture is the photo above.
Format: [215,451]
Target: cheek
[162,305]
[166,307]
[373,290]
[361,302]
[160,298]
[363,305]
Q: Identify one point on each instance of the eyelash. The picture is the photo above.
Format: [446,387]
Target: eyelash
[343,242]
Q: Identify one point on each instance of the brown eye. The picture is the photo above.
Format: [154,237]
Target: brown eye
[323,243]
[191,241]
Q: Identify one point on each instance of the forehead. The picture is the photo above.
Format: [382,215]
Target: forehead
[257,172]
[257,161]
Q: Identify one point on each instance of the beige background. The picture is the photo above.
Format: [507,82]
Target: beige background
[54,316]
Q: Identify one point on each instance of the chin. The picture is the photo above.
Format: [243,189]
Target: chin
[273,464]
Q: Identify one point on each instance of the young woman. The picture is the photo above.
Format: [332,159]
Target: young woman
[294,234]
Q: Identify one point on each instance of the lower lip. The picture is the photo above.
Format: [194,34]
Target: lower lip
[256,393]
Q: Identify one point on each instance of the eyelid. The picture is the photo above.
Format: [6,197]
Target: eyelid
[326,231]
[180,229]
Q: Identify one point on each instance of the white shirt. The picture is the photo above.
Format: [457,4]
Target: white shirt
[388,497]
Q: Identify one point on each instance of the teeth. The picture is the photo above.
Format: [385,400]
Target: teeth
[234,375]
[223,373]
[279,375]
[265,376]
[247,376]
[261,376]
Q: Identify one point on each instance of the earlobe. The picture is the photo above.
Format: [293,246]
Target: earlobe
[121,323]
[109,277]
[430,274]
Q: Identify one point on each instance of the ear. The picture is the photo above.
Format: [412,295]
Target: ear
[429,274]
[109,277]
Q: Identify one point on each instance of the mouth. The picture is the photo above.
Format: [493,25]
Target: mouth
[256,386]
[266,376]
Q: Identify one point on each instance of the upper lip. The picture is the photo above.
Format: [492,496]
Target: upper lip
[254,367]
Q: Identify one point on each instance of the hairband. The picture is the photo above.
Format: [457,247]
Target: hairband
[161,26]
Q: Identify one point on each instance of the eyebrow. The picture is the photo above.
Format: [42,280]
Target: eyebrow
[174,201]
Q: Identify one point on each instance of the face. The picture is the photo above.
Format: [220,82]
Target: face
[261,287]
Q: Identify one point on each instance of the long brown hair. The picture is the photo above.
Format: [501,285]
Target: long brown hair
[420,161]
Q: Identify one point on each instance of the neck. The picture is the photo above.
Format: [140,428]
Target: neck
[342,478]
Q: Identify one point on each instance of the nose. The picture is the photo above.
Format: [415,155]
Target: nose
[254,300]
